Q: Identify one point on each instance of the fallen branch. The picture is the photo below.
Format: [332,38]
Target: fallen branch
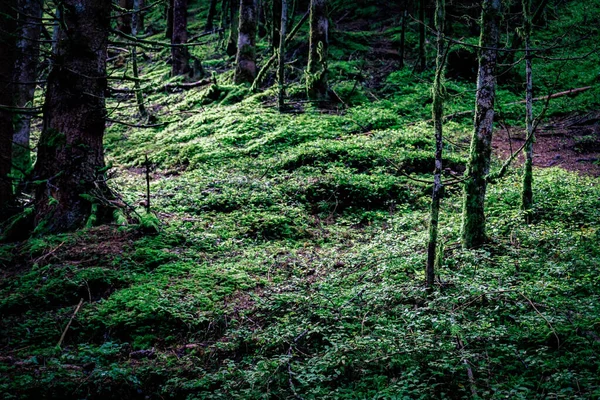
[114,121]
[543,317]
[186,85]
[62,337]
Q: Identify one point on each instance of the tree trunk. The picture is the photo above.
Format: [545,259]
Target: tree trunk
[527,195]
[403,38]
[139,96]
[233,28]
[7,55]
[139,17]
[179,54]
[281,70]
[124,18]
[245,70]
[438,116]
[277,9]
[212,11]
[26,65]
[473,225]
[422,59]
[169,30]
[70,164]
[316,82]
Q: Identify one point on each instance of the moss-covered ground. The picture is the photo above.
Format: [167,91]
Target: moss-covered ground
[285,253]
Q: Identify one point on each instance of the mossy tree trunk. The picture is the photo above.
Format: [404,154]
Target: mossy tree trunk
[124,18]
[169,16]
[179,54]
[7,55]
[316,81]
[438,115]
[26,68]
[527,194]
[281,69]
[233,27]
[70,164]
[473,224]
[212,11]
[245,69]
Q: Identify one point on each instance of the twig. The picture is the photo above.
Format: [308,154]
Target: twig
[62,337]
[544,318]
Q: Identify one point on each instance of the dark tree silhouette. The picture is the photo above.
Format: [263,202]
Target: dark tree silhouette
[245,70]
[180,54]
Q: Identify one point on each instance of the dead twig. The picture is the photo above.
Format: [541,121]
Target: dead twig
[62,337]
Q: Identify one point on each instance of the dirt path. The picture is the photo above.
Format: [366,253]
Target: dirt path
[571,142]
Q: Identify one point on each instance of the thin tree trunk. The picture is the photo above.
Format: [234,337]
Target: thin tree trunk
[139,96]
[70,165]
[7,55]
[276,16]
[124,18]
[212,11]
[26,66]
[422,60]
[438,116]
[316,82]
[527,194]
[179,54]
[403,38]
[281,72]
[245,70]
[139,5]
[169,30]
[233,27]
[473,224]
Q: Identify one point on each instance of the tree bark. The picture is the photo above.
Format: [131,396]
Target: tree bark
[281,69]
[233,28]
[403,38]
[245,70]
[316,82]
[139,96]
[527,194]
[438,116]
[7,55]
[473,224]
[179,54]
[26,66]
[212,11]
[70,165]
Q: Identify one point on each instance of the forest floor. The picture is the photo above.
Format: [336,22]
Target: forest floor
[284,253]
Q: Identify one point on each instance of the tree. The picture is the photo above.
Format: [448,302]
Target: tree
[25,77]
[422,59]
[527,193]
[7,18]
[281,69]
[233,28]
[124,18]
[245,60]
[276,17]
[316,80]
[70,166]
[473,224]
[169,16]
[438,115]
[212,11]
[179,54]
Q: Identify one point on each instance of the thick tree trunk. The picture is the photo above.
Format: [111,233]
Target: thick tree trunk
[232,41]
[281,69]
[212,11]
[70,164]
[438,116]
[26,65]
[180,54]
[527,194]
[316,82]
[422,59]
[473,225]
[7,55]
[245,70]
